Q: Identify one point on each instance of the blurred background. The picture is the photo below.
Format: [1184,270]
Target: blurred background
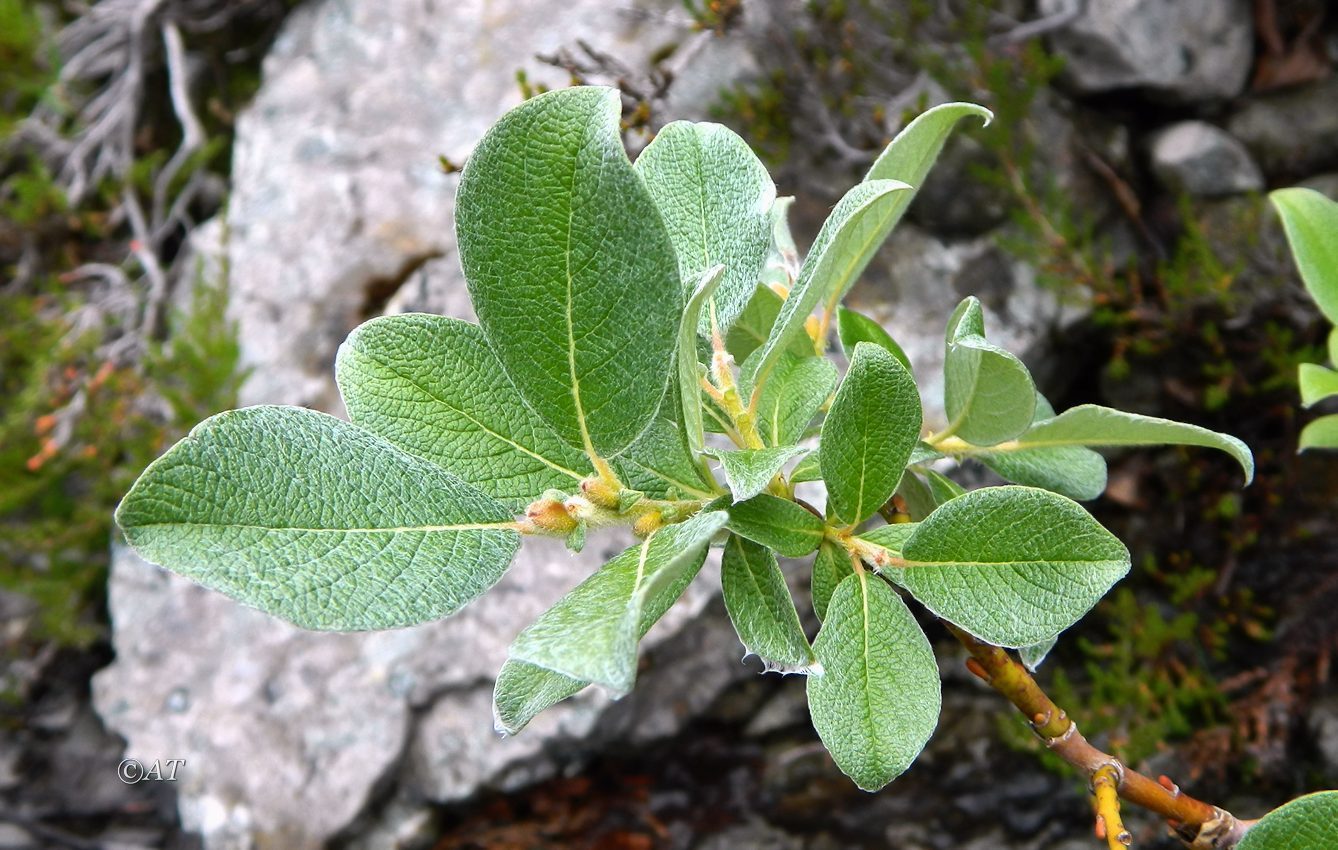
[199,199]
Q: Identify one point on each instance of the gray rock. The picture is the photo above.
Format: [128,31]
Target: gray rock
[1325,184]
[1178,50]
[1199,159]
[1323,725]
[1291,133]
[753,836]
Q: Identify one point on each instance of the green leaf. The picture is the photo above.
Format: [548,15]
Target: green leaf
[943,487]
[1012,565]
[891,537]
[1317,383]
[1311,222]
[715,197]
[807,469]
[869,433]
[798,388]
[433,387]
[830,568]
[1091,425]
[855,328]
[748,471]
[1072,471]
[659,461]
[915,149]
[987,393]
[591,634]
[849,238]
[759,605]
[876,701]
[523,690]
[570,267]
[1322,433]
[1306,823]
[317,521]
[920,500]
[689,370]
[1333,346]
[751,329]
[777,523]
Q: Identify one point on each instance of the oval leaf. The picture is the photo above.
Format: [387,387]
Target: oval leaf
[1013,566]
[877,700]
[1320,434]
[988,393]
[1317,383]
[854,328]
[759,605]
[870,431]
[1092,425]
[1306,823]
[798,387]
[830,567]
[317,521]
[1311,222]
[433,387]
[748,471]
[715,196]
[591,634]
[777,524]
[570,267]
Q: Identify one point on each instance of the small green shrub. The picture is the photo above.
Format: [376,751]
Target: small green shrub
[630,368]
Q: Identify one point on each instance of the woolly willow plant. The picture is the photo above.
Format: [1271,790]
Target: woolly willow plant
[651,352]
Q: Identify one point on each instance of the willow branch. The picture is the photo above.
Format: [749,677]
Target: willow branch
[1200,825]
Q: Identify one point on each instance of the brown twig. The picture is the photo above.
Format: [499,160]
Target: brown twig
[1200,825]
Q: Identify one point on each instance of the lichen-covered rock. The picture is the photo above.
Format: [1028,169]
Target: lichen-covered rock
[1199,159]
[1178,50]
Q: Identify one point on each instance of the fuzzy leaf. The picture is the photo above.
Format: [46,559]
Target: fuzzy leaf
[750,330]
[1311,222]
[791,398]
[830,567]
[808,469]
[869,433]
[1306,823]
[591,634]
[1012,565]
[570,267]
[1073,471]
[317,521]
[1091,425]
[715,197]
[876,702]
[759,605]
[523,690]
[891,537]
[777,523]
[987,393]
[1317,383]
[689,370]
[1321,433]
[849,238]
[748,471]
[433,387]
[910,155]
[855,328]
[659,461]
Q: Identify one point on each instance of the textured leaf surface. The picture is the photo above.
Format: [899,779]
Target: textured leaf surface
[830,567]
[808,469]
[910,155]
[759,605]
[1014,566]
[855,328]
[659,461]
[1306,823]
[891,537]
[591,634]
[877,700]
[748,471]
[433,387]
[798,387]
[570,268]
[1092,425]
[689,369]
[987,393]
[869,433]
[848,240]
[1322,433]
[920,501]
[1311,223]
[317,521]
[1317,383]
[777,523]
[523,690]
[751,329]
[1073,471]
[715,197]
